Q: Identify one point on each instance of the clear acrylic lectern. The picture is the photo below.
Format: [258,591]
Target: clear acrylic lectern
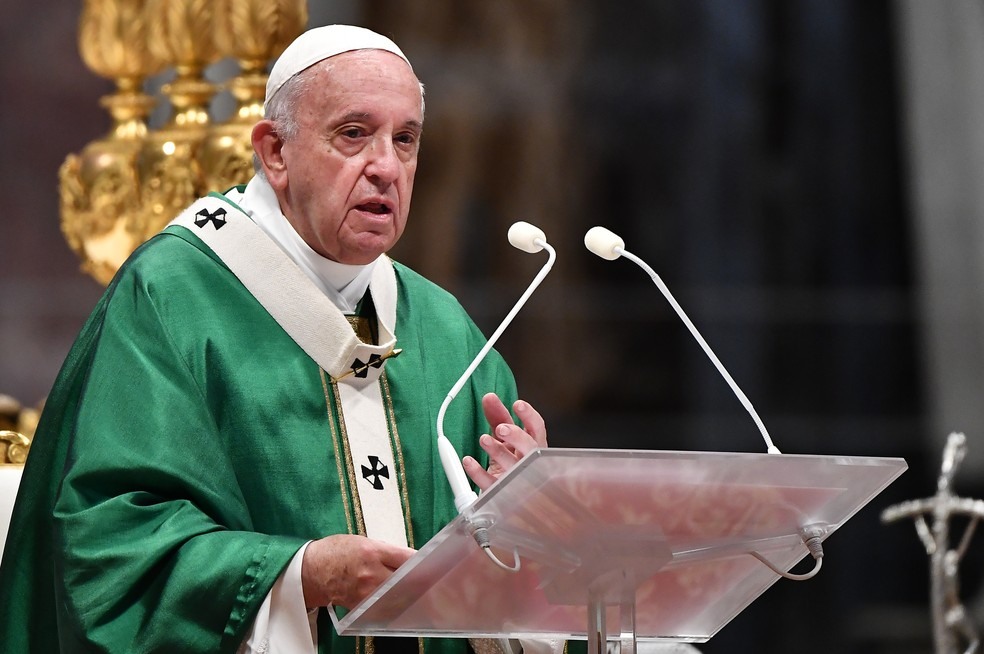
[652,545]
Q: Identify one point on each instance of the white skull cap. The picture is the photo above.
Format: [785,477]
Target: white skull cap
[320,43]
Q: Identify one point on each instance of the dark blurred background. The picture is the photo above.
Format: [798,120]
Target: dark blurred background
[803,174]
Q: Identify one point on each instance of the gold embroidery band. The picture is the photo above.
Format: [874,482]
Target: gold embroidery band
[339,458]
[398,456]
[360,523]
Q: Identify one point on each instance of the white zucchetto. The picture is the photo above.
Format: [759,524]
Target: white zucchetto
[320,43]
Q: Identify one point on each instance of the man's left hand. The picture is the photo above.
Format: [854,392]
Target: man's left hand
[508,442]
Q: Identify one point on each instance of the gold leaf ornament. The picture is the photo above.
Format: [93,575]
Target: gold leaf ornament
[255,31]
[182,33]
[113,39]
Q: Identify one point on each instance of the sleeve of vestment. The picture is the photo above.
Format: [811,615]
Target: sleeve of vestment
[155,545]
[283,625]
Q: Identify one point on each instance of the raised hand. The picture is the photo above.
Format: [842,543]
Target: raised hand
[508,442]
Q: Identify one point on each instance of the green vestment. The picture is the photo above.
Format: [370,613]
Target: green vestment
[189,447]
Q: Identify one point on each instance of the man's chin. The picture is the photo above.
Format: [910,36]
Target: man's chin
[365,253]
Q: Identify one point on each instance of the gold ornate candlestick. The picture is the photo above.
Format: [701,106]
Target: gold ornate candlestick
[100,198]
[253,32]
[124,188]
[182,33]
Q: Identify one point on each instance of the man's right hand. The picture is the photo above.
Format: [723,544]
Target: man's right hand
[343,569]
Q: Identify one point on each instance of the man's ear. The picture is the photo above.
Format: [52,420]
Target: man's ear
[268,146]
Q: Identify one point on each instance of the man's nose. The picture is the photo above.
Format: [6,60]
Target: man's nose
[384,163]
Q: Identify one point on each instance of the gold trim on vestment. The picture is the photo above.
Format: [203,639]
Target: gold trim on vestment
[398,456]
[338,454]
[369,645]
[360,522]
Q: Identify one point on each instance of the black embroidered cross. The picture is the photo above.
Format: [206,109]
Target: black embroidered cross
[375,472]
[217,217]
[362,369]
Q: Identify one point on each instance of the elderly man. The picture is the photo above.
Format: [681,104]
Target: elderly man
[233,443]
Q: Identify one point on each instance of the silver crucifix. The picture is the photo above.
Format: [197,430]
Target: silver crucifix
[953,629]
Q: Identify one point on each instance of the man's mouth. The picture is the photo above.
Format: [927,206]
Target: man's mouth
[378,208]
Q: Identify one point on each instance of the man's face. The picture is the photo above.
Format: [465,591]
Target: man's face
[349,169]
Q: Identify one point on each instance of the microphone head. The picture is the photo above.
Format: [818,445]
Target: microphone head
[523,235]
[604,243]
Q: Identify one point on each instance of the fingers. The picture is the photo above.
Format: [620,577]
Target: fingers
[497,414]
[479,475]
[532,422]
[508,442]
[495,411]
[506,448]
[393,556]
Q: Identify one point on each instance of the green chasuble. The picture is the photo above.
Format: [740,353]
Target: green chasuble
[190,447]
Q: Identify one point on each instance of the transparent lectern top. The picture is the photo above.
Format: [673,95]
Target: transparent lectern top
[669,532]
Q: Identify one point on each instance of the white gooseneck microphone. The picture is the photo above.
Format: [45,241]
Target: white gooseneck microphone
[528,238]
[608,245]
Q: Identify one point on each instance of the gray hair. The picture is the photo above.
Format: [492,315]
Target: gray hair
[281,109]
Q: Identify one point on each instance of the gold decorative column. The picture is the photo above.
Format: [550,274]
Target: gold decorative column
[100,198]
[182,33]
[253,32]
[122,189]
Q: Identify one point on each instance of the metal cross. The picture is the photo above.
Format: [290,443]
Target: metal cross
[951,624]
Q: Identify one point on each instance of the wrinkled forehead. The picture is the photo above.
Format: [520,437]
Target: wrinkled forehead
[375,84]
[362,81]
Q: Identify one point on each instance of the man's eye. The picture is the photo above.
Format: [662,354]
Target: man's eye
[406,139]
[352,132]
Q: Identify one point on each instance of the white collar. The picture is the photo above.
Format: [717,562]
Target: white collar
[344,284]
